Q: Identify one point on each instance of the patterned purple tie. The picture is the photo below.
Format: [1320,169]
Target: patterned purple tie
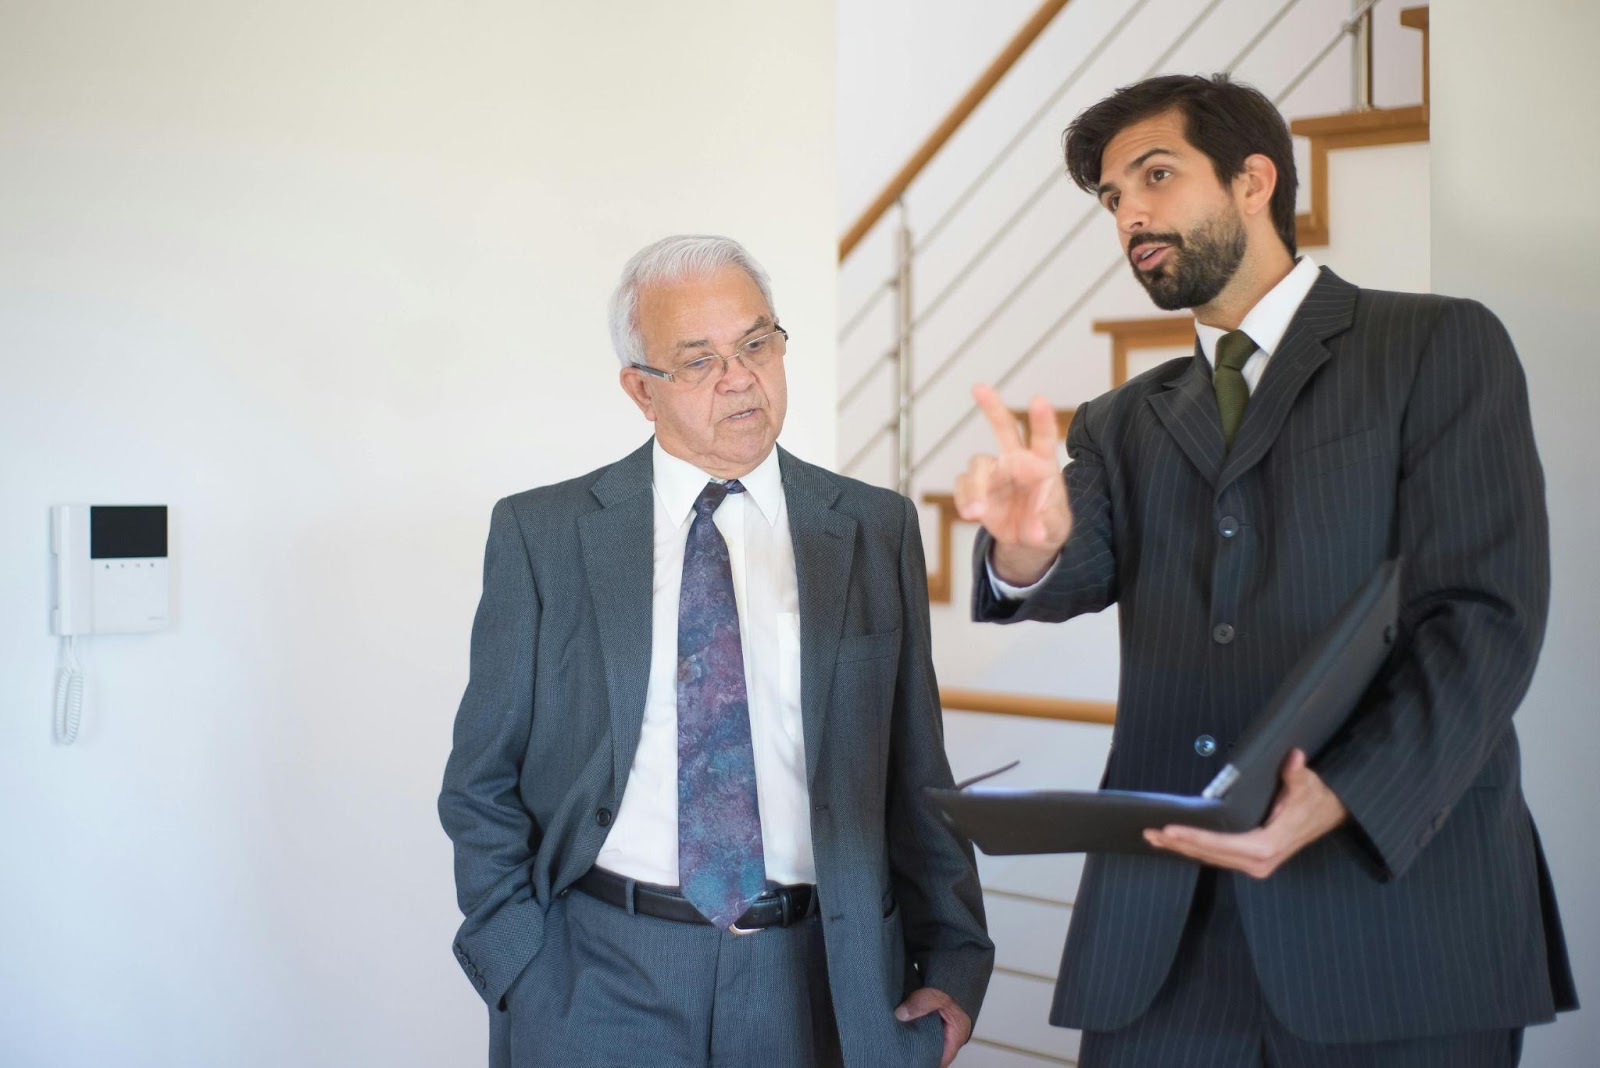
[720,864]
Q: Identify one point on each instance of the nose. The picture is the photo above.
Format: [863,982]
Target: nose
[736,377]
[1131,215]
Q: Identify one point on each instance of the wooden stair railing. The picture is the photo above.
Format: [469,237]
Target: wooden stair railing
[952,122]
[1070,709]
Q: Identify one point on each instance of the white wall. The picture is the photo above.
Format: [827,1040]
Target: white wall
[327,278]
[1516,206]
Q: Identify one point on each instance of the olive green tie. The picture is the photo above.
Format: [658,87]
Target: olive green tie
[1233,349]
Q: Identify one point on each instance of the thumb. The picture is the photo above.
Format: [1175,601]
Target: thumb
[921,1002]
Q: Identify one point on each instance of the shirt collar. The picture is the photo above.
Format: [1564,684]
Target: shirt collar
[678,484]
[1268,321]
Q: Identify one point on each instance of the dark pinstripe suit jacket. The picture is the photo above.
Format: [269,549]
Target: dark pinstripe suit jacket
[546,734]
[1387,424]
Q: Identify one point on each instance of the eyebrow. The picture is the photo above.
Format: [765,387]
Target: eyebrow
[1106,187]
[705,343]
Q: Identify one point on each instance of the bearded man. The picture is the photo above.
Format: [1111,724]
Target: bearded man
[1395,907]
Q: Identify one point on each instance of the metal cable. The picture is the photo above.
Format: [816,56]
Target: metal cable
[1051,179]
[1345,30]
[1027,127]
[860,316]
[872,369]
[861,454]
[1032,350]
[1271,24]
[988,320]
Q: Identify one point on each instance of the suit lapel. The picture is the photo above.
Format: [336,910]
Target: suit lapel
[824,548]
[619,559]
[1188,409]
[1327,310]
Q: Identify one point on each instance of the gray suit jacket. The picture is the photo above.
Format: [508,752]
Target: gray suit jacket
[547,729]
[1387,424]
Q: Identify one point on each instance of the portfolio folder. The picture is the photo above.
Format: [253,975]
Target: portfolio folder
[1304,713]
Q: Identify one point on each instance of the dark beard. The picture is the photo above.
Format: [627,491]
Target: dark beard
[1199,266]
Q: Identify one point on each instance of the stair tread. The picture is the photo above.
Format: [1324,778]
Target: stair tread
[1360,122]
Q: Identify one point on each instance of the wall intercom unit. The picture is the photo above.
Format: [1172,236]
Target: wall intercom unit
[111,578]
[111,568]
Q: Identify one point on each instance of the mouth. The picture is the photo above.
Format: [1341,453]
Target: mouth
[742,416]
[1149,256]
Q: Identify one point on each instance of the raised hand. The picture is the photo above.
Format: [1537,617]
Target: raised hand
[1018,496]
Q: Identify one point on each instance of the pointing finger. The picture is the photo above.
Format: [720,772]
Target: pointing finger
[1000,418]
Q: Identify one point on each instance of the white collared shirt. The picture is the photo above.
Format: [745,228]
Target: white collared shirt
[643,841]
[1266,323]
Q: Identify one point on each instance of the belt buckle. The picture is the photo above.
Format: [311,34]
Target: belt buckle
[786,907]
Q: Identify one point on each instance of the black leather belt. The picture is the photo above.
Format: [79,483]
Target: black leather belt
[778,907]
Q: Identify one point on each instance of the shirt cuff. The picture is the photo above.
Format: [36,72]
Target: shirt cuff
[1007,592]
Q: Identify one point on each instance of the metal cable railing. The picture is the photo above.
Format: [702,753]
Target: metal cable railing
[1346,29]
[1017,139]
[1021,136]
[1003,231]
[1054,177]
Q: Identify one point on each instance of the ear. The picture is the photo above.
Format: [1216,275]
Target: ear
[637,387]
[1254,185]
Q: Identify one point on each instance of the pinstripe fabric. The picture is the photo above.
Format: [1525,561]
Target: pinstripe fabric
[1386,424]
[550,720]
[1210,1013]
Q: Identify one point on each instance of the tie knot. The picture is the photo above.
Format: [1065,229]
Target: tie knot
[713,495]
[1233,349]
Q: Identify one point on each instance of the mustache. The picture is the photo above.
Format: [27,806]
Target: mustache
[1147,237]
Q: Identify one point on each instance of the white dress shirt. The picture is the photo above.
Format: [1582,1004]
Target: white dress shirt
[1266,323]
[643,841]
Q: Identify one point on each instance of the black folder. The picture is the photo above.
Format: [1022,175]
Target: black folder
[1309,707]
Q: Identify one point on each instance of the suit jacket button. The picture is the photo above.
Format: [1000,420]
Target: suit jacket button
[1205,745]
[482,982]
[1222,633]
[1228,526]
[603,817]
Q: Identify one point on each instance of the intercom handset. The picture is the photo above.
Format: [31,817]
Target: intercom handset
[111,578]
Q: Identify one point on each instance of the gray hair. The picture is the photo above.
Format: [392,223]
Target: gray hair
[673,259]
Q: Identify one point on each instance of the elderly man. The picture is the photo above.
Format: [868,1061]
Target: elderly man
[685,785]
[1394,909]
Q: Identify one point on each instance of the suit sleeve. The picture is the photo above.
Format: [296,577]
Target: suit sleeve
[932,868]
[1474,537]
[1084,576]
[495,836]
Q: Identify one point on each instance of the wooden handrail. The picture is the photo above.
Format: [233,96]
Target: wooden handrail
[952,122]
[1021,704]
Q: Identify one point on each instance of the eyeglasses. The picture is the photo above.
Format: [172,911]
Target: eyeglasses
[708,366]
